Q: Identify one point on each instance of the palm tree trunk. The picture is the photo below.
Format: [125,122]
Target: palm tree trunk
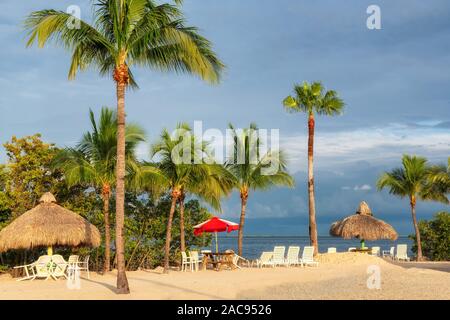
[121,77]
[244,198]
[106,194]
[312,205]
[175,196]
[182,236]
[416,227]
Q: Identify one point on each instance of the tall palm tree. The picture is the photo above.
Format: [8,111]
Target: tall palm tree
[313,99]
[412,181]
[208,181]
[126,33]
[247,166]
[93,161]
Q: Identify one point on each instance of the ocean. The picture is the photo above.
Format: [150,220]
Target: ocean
[254,245]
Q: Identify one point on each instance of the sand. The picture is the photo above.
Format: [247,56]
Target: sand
[339,276]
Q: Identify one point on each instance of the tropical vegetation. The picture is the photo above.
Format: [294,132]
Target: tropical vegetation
[412,181]
[435,237]
[93,162]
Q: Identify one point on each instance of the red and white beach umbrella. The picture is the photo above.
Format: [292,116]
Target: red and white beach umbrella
[215,225]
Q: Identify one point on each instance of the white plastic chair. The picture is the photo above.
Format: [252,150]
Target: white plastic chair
[73,260]
[375,251]
[185,261]
[278,256]
[265,260]
[308,257]
[194,258]
[331,250]
[84,266]
[292,258]
[389,253]
[402,252]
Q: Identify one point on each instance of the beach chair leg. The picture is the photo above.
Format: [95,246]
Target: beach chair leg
[88,275]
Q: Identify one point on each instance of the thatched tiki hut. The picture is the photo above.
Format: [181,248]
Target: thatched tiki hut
[48,225]
[362,225]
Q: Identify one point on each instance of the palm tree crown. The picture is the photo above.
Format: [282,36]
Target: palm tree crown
[247,166]
[412,180]
[127,32]
[312,98]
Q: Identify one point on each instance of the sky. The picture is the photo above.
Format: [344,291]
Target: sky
[395,83]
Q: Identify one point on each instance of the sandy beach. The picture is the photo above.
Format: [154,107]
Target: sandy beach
[339,276]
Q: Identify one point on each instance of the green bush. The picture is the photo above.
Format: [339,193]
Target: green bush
[435,237]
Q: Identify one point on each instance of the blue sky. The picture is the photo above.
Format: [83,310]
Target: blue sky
[395,83]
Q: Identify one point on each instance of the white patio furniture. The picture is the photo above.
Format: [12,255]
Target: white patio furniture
[58,266]
[265,260]
[389,253]
[185,262]
[194,258]
[375,251]
[402,252]
[37,269]
[351,249]
[331,250]
[292,258]
[308,257]
[84,265]
[278,256]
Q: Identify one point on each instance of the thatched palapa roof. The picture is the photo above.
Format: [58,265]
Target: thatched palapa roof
[363,225]
[48,224]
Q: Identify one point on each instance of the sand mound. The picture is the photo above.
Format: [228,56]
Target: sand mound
[347,258]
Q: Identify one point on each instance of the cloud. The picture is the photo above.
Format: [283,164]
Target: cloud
[379,145]
[364,187]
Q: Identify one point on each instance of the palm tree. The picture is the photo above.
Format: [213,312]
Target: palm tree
[312,99]
[210,189]
[208,181]
[412,181]
[440,176]
[247,166]
[93,161]
[126,33]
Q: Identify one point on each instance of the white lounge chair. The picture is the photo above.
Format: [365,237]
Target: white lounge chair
[265,260]
[59,266]
[351,249]
[331,250]
[278,256]
[292,258]
[375,251]
[38,269]
[238,258]
[195,260]
[308,257]
[389,253]
[402,252]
